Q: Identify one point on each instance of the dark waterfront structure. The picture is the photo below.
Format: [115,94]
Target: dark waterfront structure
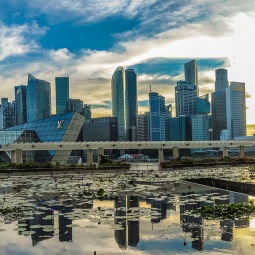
[219,117]
[100,129]
[21,104]
[64,127]
[62,93]
[38,99]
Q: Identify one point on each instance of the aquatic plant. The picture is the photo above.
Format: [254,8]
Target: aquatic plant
[226,211]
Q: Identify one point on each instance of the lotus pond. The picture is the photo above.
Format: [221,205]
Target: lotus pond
[119,214]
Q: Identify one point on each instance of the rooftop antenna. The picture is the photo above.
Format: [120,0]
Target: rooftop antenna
[150,88]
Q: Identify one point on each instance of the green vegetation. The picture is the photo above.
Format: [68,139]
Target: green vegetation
[226,211]
[8,210]
[210,161]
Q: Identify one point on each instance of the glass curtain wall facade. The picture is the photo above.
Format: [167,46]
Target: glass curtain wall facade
[118,101]
[21,104]
[236,109]
[190,69]
[131,103]
[60,128]
[25,136]
[157,117]
[62,93]
[221,82]
[38,99]
[219,114]
[185,98]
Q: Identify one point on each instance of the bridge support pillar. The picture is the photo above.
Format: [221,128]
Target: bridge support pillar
[16,156]
[89,157]
[241,151]
[175,152]
[160,157]
[100,151]
[225,152]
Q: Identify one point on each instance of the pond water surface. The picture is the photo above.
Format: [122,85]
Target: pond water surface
[57,217]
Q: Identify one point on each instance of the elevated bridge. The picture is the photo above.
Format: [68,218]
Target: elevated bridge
[17,148]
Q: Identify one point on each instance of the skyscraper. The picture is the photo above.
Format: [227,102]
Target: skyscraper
[21,104]
[190,69]
[7,113]
[87,111]
[203,104]
[131,103]
[74,105]
[236,109]
[219,117]
[185,98]
[118,101]
[200,127]
[38,99]
[143,127]
[62,93]
[221,82]
[124,102]
[157,117]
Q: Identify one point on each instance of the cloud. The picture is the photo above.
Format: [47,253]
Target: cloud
[15,40]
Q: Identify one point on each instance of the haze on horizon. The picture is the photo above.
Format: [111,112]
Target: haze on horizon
[88,39]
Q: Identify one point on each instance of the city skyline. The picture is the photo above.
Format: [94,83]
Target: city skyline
[138,34]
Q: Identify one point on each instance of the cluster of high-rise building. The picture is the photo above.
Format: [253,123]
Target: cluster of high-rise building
[196,118]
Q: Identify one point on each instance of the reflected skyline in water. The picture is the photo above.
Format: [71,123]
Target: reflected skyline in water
[126,223]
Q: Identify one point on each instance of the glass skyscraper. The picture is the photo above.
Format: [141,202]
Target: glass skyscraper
[38,99]
[185,98]
[236,109]
[190,69]
[131,103]
[21,104]
[118,101]
[221,82]
[62,93]
[124,102]
[157,117]
[219,115]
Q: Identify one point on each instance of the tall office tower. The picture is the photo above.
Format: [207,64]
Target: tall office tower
[62,93]
[7,113]
[179,128]
[74,105]
[185,98]
[38,99]
[118,101]
[203,104]
[143,127]
[200,127]
[157,117]
[131,104]
[190,69]
[21,104]
[219,114]
[236,109]
[221,82]
[87,111]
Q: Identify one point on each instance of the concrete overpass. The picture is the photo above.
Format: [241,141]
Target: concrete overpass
[17,148]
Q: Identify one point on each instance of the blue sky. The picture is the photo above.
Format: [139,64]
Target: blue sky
[88,39]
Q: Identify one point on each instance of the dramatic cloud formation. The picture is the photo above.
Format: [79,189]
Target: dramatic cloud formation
[88,39]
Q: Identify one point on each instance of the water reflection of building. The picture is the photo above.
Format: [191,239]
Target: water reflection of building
[65,233]
[161,205]
[129,235]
